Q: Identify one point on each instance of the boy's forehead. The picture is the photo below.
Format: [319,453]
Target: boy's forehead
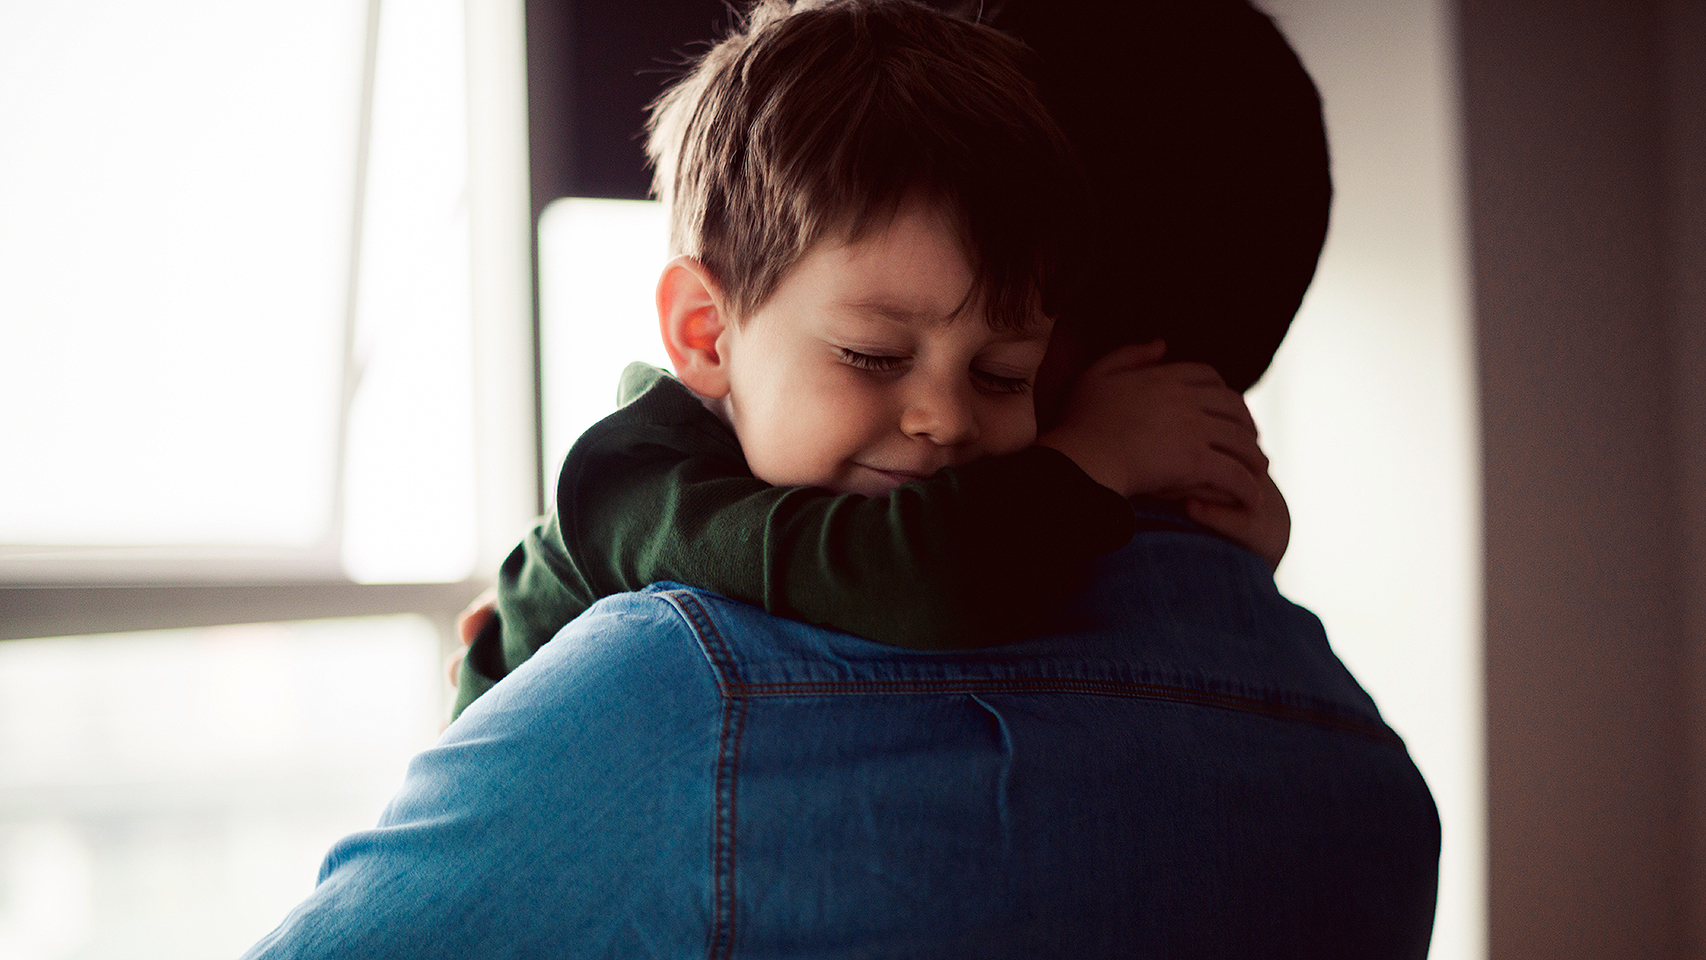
[910,266]
[905,266]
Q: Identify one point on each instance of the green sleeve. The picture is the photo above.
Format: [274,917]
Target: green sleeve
[539,591]
[970,557]
[660,491]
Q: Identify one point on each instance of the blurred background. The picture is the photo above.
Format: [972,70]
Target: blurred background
[300,305]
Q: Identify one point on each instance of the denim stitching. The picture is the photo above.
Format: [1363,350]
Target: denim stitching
[721,934]
[732,687]
[1137,691]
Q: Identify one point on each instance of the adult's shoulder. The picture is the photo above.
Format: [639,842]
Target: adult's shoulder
[622,641]
[571,804]
[1178,596]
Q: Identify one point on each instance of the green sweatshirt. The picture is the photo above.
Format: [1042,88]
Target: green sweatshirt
[659,490]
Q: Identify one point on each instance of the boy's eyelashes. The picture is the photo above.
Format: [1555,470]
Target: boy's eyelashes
[870,361]
[993,382]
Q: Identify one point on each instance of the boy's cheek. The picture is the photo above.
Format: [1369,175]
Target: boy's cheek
[792,449]
[1013,431]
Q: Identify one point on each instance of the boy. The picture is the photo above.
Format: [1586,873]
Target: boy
[866,202]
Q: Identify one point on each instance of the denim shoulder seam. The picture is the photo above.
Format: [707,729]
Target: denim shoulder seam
[720,937]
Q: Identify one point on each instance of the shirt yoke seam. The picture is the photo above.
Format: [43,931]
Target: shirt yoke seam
[1105,688]
[731,686]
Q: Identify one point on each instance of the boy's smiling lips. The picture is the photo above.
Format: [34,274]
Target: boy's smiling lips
[899,476]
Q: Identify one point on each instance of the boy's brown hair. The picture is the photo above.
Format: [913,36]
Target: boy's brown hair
[818,121]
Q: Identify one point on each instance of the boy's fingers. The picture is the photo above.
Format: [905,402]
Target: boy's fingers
[1230,476]
[1245,527]
[1197,374]
[1144,354]
[1228,423]
[1202,492]
[1240,446]
[1231,439]
[1231,520]
[472,620]
[1227,404]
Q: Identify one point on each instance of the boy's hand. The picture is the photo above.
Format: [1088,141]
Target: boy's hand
[1174,430]
[1265,530]
[470,622]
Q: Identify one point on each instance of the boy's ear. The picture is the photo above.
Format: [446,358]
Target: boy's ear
[694,326]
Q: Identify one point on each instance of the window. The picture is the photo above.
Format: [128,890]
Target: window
[171,793]
[599,262]
[264,352]
[179,180]
[235,293]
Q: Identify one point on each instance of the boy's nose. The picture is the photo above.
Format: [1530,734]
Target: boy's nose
[940,413]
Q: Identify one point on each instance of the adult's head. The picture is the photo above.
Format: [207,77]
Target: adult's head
[1202,138]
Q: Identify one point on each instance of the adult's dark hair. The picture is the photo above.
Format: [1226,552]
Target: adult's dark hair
[1203,144]
[818,121]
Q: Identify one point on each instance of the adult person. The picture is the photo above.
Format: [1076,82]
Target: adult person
[1181,768]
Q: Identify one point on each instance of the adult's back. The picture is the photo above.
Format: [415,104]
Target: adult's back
[1185,769]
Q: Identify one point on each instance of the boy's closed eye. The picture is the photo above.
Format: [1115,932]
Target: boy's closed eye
[1000,383]
[880,363]
[993,381]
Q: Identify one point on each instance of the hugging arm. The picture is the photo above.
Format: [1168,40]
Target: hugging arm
[660,491]
[972,556]
[964,558]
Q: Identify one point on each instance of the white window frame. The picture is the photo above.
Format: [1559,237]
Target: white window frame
[70,591]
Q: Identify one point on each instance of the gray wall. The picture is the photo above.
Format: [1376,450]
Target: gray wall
[1585,155]
[1685,25]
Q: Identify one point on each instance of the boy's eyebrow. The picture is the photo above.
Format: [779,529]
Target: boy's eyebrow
[896,310]
[906,314]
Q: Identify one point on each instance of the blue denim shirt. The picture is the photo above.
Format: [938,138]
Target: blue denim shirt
[1184,770]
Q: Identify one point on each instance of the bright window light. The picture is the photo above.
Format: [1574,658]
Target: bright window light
[409,482]
[599,262]
[175,197]
[170,794]
[178,227]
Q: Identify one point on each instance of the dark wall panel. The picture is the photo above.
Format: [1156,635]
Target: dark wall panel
[592,67]
[1565,108]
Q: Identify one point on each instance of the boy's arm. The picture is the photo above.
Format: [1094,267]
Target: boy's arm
[661,491]
[968,557]
[539,591]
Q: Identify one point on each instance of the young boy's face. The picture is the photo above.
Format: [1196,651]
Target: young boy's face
[860,373]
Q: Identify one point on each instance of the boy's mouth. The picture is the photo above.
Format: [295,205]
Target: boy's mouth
[898,476]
